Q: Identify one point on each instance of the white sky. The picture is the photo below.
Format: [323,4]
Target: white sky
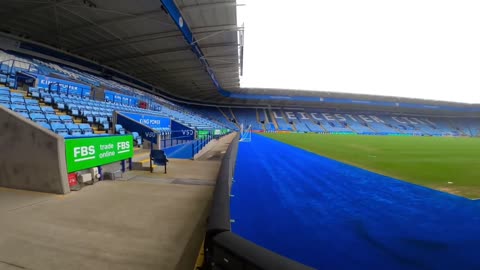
[410,48]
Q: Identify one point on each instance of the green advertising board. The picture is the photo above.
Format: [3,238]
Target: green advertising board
[217,132]
[202,134]
[85,153]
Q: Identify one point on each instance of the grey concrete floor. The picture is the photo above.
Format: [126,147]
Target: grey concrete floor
[145,221]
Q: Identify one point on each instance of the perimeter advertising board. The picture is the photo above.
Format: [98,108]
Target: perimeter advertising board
[86,153]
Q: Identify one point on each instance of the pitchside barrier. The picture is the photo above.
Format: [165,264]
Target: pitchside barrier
[225,250]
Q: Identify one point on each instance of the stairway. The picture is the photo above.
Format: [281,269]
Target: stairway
[320,125]
[226,117]
[233,116]
[294,128]
[274,121]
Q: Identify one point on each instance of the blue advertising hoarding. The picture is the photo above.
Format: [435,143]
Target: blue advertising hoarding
[65,86]
[111,96]
[180,131]
[151,121]
[132,125]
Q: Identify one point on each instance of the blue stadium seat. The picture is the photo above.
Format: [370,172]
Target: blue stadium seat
[48,110]
[119,129]
[38,117]
[52,118]
[16,95]
[74,110]
[46,97]
[5,105]
[31,90]
[18,108]
[35,93]
[66,119]
[136,138]
[59,102]
[24,115]
[60,129]
[34,109]
[5,92]
[89,117]
[5,99]
[74,129]
[105,125]
[86,129]
[17,100]
[31,102]
[45,125]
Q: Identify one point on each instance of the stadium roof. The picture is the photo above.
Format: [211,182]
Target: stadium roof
[139,38]
[142,39]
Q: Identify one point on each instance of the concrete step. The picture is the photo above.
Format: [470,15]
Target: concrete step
[18,91]
[142,165]
[141,155]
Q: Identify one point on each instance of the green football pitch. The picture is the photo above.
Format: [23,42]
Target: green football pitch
[447,164]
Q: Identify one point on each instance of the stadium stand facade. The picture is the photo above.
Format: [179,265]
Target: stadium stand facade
[62,96]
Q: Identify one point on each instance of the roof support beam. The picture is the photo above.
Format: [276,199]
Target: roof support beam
[162,51]
[21,12]
[154,36]
[179,70]
[154,14]
[209,5]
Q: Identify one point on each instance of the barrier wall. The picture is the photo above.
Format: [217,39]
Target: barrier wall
[32,158]
[225,250]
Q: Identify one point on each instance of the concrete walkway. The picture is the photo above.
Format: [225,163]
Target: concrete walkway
[144,221]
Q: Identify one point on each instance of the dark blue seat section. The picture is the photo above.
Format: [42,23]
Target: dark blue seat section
[158,157]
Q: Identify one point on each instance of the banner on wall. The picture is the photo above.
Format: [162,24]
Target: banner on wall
[152,121]
[180,131]
[133,125]
[114,97]
[86,153]
[66,87]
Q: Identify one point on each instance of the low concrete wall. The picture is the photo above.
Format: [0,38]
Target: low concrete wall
[31,157]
